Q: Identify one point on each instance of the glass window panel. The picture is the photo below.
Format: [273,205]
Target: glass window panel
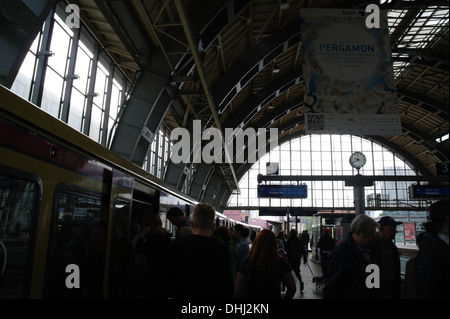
[96,120]
[285,163]
[100,86]
[285,147]
[305,144]
[295,145]
[77,101]
[253,197]
[35,45]
[82,69]
[115,102]
[325,142]
[60,45]
[22,83]
[326,163]
[322,161]
[51,97]
[335,143]
[327,198]
[316,163]
[315,143]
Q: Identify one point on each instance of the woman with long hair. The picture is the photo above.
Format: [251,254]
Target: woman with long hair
[261,273]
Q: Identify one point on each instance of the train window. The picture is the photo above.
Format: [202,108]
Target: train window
[143,205]
[78,237]
[18,209]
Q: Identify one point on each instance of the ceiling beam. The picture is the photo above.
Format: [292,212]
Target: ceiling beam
[202,76]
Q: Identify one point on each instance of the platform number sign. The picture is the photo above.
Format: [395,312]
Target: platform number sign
[442,168]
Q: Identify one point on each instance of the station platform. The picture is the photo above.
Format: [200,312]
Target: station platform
[311,290]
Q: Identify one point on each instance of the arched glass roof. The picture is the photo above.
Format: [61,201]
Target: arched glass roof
[324,155]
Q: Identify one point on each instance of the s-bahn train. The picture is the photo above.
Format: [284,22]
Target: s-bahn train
[70,206]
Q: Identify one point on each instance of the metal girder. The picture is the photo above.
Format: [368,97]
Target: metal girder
[429,142]
[424,102]
[263,97]
[21,21]
[203,79]
[144,111]
[421,53]
[120,28]
[243,71]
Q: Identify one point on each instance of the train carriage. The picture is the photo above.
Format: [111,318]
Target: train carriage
[69,208]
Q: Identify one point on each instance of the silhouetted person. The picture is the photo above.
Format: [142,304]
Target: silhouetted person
[295,251]
[223,235]
[409,289]
[198,266]
[261,273]
[151,247]
[346,273]
[240,234]
[176,216]
[326,244]
[389,257]
[281,240]
[304,237]
[432,261]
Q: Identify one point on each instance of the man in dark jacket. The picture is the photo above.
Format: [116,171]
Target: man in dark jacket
[198,266]
[295,251]
[432,261]
[326,245]
[346,274]
[387,253]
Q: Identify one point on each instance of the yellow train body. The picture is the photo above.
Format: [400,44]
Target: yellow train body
[66,200]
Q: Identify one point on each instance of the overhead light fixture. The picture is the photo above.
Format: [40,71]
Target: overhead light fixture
[275,68]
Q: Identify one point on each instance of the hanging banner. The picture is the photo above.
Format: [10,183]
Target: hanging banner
[348,74]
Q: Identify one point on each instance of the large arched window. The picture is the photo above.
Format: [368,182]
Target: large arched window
[81,85]
[321,155]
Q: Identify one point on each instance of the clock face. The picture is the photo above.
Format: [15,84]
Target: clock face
[357,160]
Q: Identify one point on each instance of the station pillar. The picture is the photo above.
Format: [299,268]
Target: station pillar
[358,197]
[359,182]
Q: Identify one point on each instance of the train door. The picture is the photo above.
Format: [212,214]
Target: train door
[133,201]
[119,248]
[19,203]
[145,203]
[76,254]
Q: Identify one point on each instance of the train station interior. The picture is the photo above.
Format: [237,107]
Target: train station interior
[169,85]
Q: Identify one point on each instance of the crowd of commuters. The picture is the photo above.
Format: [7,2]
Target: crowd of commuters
[350,274]
[205,261]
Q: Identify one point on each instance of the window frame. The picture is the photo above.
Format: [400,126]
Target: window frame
[31,254]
